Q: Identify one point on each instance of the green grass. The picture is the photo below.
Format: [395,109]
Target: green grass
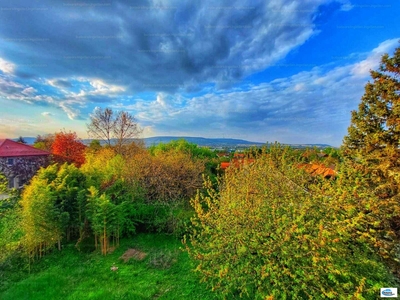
[166,273]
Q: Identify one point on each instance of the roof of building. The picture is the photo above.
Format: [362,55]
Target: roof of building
[318,169]
[9,148]
[237,163]
[224,165]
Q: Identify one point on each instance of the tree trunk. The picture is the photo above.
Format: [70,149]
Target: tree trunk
[104,238]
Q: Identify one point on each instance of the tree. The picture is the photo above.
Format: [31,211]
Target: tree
[68,148]
[95,145]
[40,216]
[102,215]
[113,127]
[51,208]
[21,140]
[262,235]
[373,139]
[125,128]
[111,199]
[168,177]
[44,142]
[103,168]
[207,158]
[184,146]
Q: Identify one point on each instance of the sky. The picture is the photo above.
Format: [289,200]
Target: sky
[281,70]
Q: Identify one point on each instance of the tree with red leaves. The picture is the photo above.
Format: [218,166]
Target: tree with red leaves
[67,147]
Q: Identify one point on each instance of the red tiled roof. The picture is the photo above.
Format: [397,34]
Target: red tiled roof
[237,163]
[318,169]
[224,165]
[9,148]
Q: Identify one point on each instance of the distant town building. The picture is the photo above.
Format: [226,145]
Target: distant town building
[237,161]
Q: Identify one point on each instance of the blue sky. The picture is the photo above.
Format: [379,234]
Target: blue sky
[282,70]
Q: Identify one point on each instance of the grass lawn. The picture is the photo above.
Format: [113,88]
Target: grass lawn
[165,273]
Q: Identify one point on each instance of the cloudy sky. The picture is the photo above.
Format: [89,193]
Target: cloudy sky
[279,70]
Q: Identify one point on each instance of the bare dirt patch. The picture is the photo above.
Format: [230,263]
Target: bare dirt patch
[111,250]
[133,253]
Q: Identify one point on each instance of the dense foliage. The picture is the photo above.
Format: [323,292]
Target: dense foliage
[50,208]
[104,199]
[262,235]
[372,146]
[182,145]
[44,142]
[68,148]
[3,183]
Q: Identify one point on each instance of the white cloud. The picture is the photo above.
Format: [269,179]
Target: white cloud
[299,108]
[29,91]
[346,5]
[67,107]
[103,88]
[194,42]
[6,67]
[364,67]
[312,106]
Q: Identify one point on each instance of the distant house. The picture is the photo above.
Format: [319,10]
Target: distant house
[223,154]
[20,162]
[224,165]
[319,170]
[237,161]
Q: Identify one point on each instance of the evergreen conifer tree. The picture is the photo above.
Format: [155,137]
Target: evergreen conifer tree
[373,139]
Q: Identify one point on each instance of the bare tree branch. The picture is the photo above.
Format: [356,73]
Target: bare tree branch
[113,128]
[101,124]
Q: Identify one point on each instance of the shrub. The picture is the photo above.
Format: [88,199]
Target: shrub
[262,235]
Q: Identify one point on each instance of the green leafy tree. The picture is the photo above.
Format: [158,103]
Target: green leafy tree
[10,234]
[103,167]
[10,229]
[111,197]
[41,219]
[52,208]
[68,185]
[184,146]
[102,216]
[94,146]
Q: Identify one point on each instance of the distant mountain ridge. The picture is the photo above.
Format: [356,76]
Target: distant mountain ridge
[211,142]
[200,141]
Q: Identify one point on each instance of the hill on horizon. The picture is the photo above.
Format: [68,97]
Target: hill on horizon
[201,141]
